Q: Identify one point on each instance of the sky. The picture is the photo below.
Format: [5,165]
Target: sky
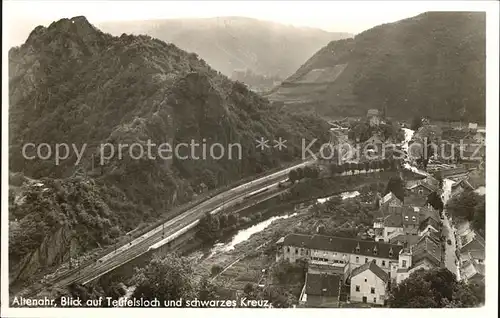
[20,17]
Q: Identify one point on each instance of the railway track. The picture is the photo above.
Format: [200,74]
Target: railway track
[168,230]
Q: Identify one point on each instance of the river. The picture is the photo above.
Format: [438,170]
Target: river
[245,234]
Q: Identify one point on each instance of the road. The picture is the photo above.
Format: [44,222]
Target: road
[450,257]
[169,230]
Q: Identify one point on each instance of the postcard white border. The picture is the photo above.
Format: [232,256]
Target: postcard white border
[492,137]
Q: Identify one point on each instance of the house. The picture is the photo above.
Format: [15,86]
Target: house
[451,173]
[321,290]
[474,255]
[472,271]
[390,204]
[429,224]
[425,254]
[473,127]
[331,250]
[373,117]
[479,137]
[405,239]
[427,251]
[316,267]
[471,241]
[404,223]
[421,187]
[460,186]
[411,219]
[369,284]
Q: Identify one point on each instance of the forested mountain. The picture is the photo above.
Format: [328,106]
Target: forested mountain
[429,65]
[71,83]
[234,43]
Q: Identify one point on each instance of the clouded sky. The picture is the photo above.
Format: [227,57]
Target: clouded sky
[20,17]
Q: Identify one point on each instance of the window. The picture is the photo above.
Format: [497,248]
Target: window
[288,249]
[366,260]
[372,290]
[383,263]
[413,218]
[404,263]
[375,261]
[357,288]
[375,299]
[366,280]
[420,191]
[357,259]
[406,217]
[296,251]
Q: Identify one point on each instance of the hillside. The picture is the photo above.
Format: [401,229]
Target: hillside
[71,83]
[233,43]
[430,65]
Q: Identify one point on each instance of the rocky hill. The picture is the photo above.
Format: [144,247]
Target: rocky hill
[429,65]
[72,84]
[234,43]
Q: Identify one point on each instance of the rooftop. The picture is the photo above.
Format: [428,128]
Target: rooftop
[405,238]
[344,245]
[323,284]
[374,269]
[428,221]
[424,183]
[427,248]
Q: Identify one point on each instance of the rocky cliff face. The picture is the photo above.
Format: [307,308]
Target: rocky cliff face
[72,84]
[431,65]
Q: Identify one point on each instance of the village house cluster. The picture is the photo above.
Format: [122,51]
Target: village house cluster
[408,235]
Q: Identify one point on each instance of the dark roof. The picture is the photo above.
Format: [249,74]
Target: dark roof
[428,221]
[450,172]
[372,266]
[323,284]
[343,245]
[426,212]
[427,248]
[411,215]
[393,220]
[477,254]
[422,183]
[415,200]
[405,238]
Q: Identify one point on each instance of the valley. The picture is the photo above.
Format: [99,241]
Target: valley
[335,180]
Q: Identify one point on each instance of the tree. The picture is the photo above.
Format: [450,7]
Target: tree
[314,172]
[208,228]
[207,290]
[464,205]
[293,176]
[216,269]
[165,279]
[334,169]
[416,123]
[386,164]
[396,186]
[435,201]
[307,172]
[435,288]
[366,166]
[478,220]
[300,173]
[352,167]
